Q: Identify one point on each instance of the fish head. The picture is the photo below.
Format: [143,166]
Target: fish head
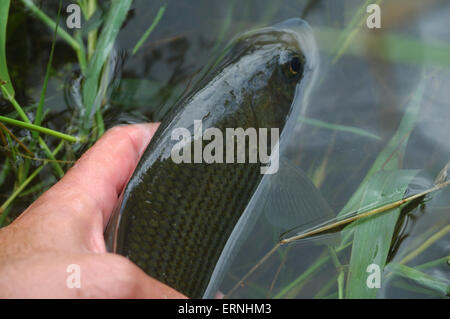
[275,61]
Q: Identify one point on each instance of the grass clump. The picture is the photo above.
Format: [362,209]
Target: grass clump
[99,39]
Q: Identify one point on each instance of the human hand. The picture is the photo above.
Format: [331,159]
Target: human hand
[65,226]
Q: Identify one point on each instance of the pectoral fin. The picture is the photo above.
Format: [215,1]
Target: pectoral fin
[293,201]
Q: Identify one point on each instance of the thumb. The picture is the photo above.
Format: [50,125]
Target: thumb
[77,208]
[113,276]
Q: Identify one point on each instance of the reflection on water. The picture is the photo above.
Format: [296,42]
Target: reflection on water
[366,81]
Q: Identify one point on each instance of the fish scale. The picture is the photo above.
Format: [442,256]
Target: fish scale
[193,250]
[205,199]
[174,220]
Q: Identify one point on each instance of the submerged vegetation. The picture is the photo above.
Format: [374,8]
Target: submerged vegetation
[395,167]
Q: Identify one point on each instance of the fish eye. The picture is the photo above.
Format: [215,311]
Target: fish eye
[291,65]
[295,65]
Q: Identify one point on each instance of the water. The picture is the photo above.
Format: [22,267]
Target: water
[367,87]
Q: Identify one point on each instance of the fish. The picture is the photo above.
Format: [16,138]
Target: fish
[181,222]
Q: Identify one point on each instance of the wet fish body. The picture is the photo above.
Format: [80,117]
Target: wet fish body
[178,222]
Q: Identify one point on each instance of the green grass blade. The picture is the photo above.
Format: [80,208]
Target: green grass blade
[12,150]
[337,127]
[101,95]
[76,45]
[420,278]
[17,192]
[326,288]
[114,20]
[352,30]
[155,22]
[39,129]
[434,263]
[92,36]
[388,158]
[299,280]
[6,169]
[406,286]
[40,109]
[39,115]
[309,272]
[51,24]
[7,95]
[427,243]
[373,236]
[25,119]
[59,171]
[4,75]
[396,48]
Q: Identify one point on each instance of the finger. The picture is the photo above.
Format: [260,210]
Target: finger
[60,275]
[131,282]
[90,189]
[102,172]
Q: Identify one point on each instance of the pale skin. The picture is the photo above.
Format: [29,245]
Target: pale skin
[65,226]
